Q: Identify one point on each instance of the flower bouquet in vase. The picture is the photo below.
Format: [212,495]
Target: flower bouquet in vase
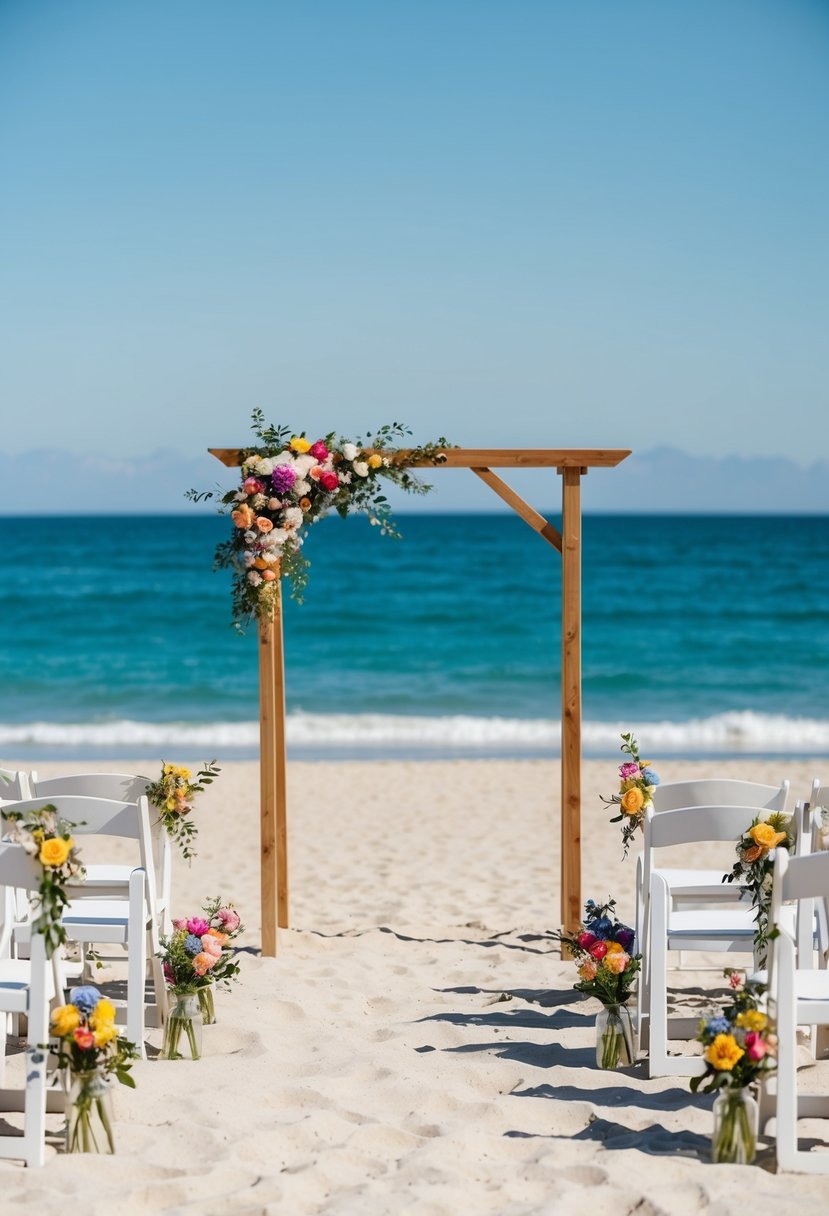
[607,970]
[90,1052]
[739,1050]
[194,956]
[225,924]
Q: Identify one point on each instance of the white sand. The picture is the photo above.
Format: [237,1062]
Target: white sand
[417,1047]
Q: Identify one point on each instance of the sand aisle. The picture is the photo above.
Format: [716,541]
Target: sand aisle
[417,1048]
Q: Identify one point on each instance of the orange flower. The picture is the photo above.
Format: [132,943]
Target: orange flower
[242,516]
[633,800]
[305,504]
[222,938]
[765,835]
[264,524]
[203,962]
[753,853]
[614,948]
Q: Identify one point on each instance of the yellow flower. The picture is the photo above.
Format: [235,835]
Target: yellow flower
[375,461]
[184,773]
[300,445]
[168,768]
[103,1015]
[765,835]
[723,1053]
[615,948]
[105,1034]
[65,1020]
[752,1019]
[54,852]
[632,801]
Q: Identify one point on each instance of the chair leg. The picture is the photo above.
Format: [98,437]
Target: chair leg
[34,1135]
[136,963]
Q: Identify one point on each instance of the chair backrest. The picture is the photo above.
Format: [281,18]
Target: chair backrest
[123,787]
[695,824]
[18,869]
[100,817]
[13,785]
[720,791]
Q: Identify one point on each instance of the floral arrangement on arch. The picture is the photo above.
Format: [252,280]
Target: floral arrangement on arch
[754,867]
[172,796]
[289,482]
[48,838]
[638,780]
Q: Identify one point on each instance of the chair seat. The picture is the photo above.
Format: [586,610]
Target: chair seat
[704,884]
[100,915]
[15,974]
[809,985]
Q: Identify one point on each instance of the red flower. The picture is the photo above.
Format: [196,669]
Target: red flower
[319,451]
[599,950]
[586,940]
[755,1046]
[84,1037]
[329,480]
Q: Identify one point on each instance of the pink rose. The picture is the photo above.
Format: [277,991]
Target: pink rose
[319,451]
[228,919]
[210,945]
[252,485]
[329,480]
[586,940]
[756,1048]
[198,926]
[268,576]
[181,923]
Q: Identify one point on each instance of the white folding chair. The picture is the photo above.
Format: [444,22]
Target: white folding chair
[113,879]
[26,987]
[729,927]
[13,785]
[688,888]
[799,996]
[102,919]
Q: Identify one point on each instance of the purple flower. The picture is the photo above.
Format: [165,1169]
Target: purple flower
[197,925]
[628,770]
[624,936]
[283,478]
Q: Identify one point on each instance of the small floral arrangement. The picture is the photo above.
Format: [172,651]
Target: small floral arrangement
[172,795]
[754,867]
[289,482]
[606,968]
[198,951]
[638,780]
[48,838]
[739,1045]
[87,1046]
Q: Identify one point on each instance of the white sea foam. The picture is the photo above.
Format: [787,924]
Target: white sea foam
[730,733]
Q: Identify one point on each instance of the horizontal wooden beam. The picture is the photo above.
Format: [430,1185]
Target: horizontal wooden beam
[537,522]
[478,458]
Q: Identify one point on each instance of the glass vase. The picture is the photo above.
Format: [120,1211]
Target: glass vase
[89,1119]
[614,1037]
[207,1005]
[736,1117]
[182,1030]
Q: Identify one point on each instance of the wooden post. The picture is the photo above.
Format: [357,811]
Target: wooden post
[267,785]
[571,699]
[280,757]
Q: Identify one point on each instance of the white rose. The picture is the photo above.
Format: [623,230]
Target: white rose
[293,517]
[249,559]
[254,578]
[250,537]
[303,464]
[345,479]
[349,451]
[302,487]
[361,468]
[284,458]
[264,467]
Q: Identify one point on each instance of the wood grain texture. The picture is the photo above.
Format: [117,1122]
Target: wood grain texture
[571,700]
[267,788]
[536,521]
[471,458]
[280,757]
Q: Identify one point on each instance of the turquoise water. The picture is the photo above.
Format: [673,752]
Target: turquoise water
[703,634]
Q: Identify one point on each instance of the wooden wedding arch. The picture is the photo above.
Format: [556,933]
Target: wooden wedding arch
[572,464]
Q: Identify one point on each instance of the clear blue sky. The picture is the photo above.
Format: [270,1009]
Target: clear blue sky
[532,222]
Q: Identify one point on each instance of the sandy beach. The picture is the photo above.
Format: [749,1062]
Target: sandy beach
[417,1047]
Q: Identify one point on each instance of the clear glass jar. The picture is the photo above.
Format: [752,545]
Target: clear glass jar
[183,1028]
[89,1118]
[736,1120]
[614,1037]
[207,1005]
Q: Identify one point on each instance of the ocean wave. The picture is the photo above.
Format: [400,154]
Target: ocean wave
[729,733]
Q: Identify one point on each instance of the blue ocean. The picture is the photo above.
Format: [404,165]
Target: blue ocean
[705,635]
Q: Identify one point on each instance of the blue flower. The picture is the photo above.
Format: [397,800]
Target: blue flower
[601,927]
[192,944]
[718,1026]
[650,776]
[85,999]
